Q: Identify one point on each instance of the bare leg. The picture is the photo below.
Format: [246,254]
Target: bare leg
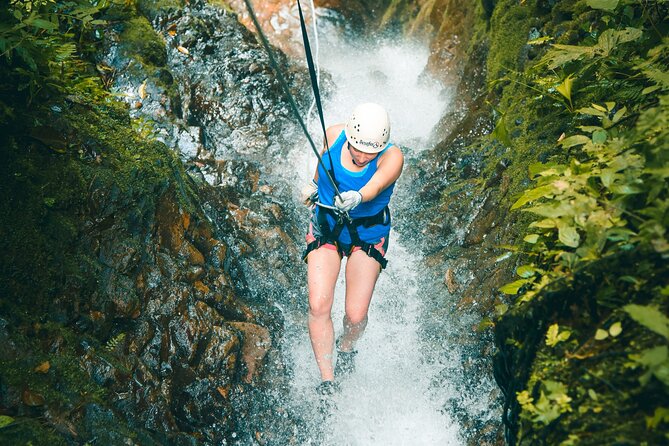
[362,272]
[322,271]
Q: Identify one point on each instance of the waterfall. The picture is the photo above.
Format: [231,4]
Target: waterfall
[391,398]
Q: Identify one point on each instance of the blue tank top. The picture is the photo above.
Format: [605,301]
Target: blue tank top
[349,180]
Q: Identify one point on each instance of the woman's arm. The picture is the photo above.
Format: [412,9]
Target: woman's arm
[389,170]
[332,135]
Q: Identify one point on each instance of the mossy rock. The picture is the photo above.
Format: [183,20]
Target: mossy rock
[153,9]
[139,39]
[608,404]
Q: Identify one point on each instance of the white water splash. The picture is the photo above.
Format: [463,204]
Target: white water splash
[389,399]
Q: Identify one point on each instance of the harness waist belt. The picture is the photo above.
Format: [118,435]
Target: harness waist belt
[331,235]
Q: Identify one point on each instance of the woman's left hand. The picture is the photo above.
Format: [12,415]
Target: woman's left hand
[349,200]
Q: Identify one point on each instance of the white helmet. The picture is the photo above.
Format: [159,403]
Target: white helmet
[368,128]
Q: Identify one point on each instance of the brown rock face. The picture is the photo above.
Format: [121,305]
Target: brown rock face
[256,343]
[279,20]
[446,24]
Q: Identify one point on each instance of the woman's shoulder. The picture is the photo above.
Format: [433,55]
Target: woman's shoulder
[334,131]
[392,153]
[391,162]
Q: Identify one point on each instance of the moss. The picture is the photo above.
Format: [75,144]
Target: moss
[47,192]
[30,431]
[51,212]
[224,5]
[608,404]
[65,384]
[154,8]
[510,26]
[535,116]
[38,229]
[139,39]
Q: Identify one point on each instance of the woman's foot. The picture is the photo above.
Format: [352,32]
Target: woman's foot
[327,388]
[345,361]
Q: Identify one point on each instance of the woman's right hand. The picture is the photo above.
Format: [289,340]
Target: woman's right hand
[309,193]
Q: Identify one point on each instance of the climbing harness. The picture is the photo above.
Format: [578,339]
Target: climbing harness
[330,236]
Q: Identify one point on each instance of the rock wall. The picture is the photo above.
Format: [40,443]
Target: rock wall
[119,291]
[506,121]
[133,308]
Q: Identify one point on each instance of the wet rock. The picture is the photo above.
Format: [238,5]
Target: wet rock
[449,280]
[485,219]
[256,341]
[194,328]
[118,294]
[190,142]
[195,273]
[227,113]
[7,346]
[100,370]
[170,225]
[105,426]
[192,254]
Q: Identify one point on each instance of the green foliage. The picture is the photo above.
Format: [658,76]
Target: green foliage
[613,331]
[612,194]
[655,361]
[552,402]
[114,342]
[42,48]
[565,89]
[660,416]
[554,335]
[598,96]
[650,317]
[5,421]
[608,5]
[608,41]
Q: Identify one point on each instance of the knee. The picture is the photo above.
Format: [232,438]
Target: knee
[319,307]
[356,318]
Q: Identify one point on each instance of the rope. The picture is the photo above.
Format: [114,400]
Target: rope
[318,71]
[286,89]
[314,79]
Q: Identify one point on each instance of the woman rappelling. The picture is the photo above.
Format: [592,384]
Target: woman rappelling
[350,193]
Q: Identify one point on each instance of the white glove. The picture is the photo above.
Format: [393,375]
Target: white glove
[348,200]
[309,193]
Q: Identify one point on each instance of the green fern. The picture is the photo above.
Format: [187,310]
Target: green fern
[114,342]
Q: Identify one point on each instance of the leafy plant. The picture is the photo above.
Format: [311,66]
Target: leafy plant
[42,45]
[554,335]
[5,421]
[598,198]
[608,41]
[650,317]
[552,402]
[114,342]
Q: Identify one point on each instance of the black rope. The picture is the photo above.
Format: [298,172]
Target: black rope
[286,90]
[314,79]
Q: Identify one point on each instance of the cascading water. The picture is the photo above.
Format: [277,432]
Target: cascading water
[391,399]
